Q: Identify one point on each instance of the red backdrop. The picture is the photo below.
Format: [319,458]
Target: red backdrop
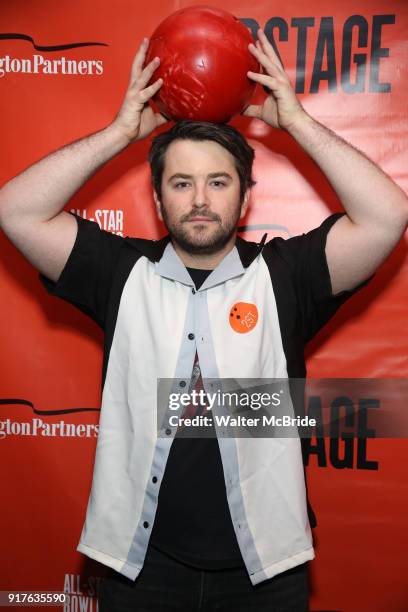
[347,60]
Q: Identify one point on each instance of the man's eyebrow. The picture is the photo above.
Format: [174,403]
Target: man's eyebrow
[180,175]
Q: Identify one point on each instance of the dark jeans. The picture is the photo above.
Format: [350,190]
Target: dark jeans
[167,585]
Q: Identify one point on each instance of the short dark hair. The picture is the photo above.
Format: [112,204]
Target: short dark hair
[225,135]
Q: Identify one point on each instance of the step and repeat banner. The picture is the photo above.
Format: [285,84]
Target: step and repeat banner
[64,69]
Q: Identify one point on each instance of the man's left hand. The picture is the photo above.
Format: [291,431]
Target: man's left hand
[281,109]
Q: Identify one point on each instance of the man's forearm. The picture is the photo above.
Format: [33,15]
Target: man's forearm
[41,191]
[368,195]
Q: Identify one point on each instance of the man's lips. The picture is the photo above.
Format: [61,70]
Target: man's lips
[200,219]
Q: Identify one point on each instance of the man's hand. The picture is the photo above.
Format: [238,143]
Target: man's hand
[281,108]
[136,119]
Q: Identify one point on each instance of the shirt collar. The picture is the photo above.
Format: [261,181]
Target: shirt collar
[168,263]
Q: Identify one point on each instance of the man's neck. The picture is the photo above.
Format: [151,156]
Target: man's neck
[204,262]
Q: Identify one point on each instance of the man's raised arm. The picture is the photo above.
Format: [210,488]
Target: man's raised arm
[31,204]
[377,209]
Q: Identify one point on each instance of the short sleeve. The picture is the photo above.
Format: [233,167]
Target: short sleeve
[86,278]
[306,257]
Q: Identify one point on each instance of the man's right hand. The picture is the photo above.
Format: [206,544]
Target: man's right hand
[136,118]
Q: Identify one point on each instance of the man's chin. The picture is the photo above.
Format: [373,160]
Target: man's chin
[195,248]
[201,245]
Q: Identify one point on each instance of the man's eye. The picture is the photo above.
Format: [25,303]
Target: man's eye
[218,183]
[181,184]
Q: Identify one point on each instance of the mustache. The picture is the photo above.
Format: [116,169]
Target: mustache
[198,213]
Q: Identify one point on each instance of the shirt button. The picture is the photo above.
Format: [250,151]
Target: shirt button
[191,336]
[168,431]
[154,479]
[145,524]
[182,383]
[193,291]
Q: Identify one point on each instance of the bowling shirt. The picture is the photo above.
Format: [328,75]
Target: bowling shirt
[154,320]
[193,523]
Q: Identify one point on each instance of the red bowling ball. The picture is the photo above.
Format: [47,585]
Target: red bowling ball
[204,60]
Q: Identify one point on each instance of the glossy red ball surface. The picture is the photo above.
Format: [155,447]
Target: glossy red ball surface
[204,60]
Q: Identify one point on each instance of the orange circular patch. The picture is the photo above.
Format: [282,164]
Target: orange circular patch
[243,317]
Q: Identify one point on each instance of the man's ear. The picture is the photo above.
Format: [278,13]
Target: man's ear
[245,203]
[157,204]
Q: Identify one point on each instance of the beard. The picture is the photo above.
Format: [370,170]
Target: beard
[199,240]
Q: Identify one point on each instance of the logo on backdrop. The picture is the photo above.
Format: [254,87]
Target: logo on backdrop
[356,43]
[81,594]
[38,63]
[45,427]
[107,218]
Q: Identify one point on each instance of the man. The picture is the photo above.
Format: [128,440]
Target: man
[200,524]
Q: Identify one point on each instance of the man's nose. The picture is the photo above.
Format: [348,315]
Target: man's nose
[200,196]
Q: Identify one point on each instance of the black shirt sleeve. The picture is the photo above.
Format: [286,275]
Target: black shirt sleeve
[306,257]
[86,278]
